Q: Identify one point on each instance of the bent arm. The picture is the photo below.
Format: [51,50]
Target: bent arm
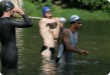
[67,43]
[55,32]
[22,24]
[55,29]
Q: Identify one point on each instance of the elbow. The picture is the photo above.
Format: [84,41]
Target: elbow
[68,48]
[55,36]
[29,25]
[71,49]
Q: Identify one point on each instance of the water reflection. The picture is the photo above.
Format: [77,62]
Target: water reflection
[7,71]
[96,64]
[48,66]
[65,69]
[78,67]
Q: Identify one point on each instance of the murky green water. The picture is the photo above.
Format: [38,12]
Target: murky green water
[94,37]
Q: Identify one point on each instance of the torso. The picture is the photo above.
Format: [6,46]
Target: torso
[47,36]
[7,32]
[68,57]
[73,38]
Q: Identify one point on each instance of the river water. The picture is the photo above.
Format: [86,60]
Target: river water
[93,37]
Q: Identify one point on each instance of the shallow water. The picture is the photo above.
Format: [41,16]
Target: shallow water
[97,63]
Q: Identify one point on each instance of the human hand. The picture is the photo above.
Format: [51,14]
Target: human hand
[83,52]
[18,10]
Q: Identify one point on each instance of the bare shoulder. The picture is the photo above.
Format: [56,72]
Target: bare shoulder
[43,19]
[65,32]
[57,18]
[42,22]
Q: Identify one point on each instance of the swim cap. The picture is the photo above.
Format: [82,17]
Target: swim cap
[7,5]
[74,18]
[63,20]
[45,9]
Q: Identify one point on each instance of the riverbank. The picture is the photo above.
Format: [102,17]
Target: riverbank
[33,10]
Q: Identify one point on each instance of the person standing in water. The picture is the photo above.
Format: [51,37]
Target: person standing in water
[60,46]
[49,30]
[68,41]
[9,50]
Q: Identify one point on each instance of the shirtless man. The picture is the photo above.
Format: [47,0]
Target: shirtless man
[68,42]
[9,50]
[49,30]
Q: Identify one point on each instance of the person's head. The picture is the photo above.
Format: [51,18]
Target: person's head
[46,11]
[75,22]
[62,21]
[7,6]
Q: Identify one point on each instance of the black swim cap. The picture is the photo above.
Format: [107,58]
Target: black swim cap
[7,5]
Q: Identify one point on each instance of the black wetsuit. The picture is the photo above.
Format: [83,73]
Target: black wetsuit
[9,51]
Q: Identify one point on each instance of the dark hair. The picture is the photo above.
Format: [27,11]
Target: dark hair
[75,21]
[1,10]
[72,22]
[7,5]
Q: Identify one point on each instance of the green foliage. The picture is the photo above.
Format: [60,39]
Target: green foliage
[83,4]
[39,4]
[57,11]
[95,4]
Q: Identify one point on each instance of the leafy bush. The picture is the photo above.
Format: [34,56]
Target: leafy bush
[98,4]
[83,4]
